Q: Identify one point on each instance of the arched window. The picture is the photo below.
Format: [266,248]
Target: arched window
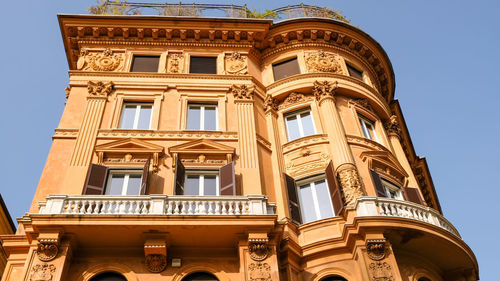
[334,278]
[200,276]
[108,276]
[424,279]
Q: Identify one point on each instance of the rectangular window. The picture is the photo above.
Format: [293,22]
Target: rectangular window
[367,127]
[202,117]
[315,200]
[136,116]
[206,65]
[145,64]
[354,72]
[204,183]
[391,190]
[285,69]
[124,182]
[299,124]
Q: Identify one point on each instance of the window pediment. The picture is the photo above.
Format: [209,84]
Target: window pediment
[202,152]
[385,163]
[128,152]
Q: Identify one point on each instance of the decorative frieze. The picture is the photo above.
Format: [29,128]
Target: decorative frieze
[103,61]
[156,263]
[242,92]
[324,89]
[351,184]
[321,61]
[42,272]
[175,63]
[100,89]
[236,63]
[259,271]
[362,103]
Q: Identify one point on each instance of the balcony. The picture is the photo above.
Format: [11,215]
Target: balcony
[384,207]
[251,205]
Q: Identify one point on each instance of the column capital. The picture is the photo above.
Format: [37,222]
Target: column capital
[242,92]
[392,126]
[100,89]
[324,90]
[270,104]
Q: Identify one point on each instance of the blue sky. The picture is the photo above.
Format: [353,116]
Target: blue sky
[445,54]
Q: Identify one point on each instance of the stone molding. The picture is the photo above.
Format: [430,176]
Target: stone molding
[270,103]
[103,61]
[236,63]
[294,98]
[351,183]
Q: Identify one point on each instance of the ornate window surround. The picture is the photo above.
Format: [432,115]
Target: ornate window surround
[132,95]
[356,110]
[130,57]
[194,95]
[219,56]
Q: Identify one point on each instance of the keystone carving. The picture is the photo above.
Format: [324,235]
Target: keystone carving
[105,61]
[376,249]
[42,272]
[270,103]
[259,271]
[100,89]
[352,186]
[242,92]
[156,263]
[236,63]
[380,271]
[175,63]
[322,62]
[392,126]
[258,248]
[47,251]
[324,89]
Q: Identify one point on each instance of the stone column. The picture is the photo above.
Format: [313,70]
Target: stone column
[247,139]
[86,139]
[277,158]
[394,131]
[342,158]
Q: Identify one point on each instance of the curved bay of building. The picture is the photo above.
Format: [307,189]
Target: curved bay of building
[232,149]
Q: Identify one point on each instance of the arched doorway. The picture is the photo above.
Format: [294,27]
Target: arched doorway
[200,276]
[334,278]
[108,276]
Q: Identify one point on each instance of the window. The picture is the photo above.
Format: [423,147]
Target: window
[108,276]
[384,188]
[334,278]
[200,276]
[205,182]
[201,183]
[202,117]
[315,200]
[145,64]
[299,124]
[124,182]
[136,116]
[368,128]
[206,65]
[286,68]
[354,72]
[391,190]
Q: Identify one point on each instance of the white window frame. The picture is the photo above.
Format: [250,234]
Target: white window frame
[137,114]
[312,181]
[388,187]
[126,178]
[202,115]
[364,128]
[299,121]
[201,185]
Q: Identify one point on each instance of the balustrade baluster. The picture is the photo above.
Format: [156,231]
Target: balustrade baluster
[169,207]
[237,207]
[81,207]
[224,207]
[217,210]
[230,211]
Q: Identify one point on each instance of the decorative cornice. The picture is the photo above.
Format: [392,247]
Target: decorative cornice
[324,89]
[294,98]
[100,89]
[262,141]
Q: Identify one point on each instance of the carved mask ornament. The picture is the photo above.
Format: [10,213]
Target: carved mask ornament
[47,251]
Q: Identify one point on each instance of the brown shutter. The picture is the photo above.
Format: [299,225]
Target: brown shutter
[180,174]
[293,199]
[207,65]
[227,180]
[377,182]
[411,194]
[335,194]
[284,69]
[145,177]
[96,180]
[145,64]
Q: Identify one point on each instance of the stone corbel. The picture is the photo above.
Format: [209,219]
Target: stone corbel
[48,245]
[258,246]
[376,249]
[270,104]
[155,251]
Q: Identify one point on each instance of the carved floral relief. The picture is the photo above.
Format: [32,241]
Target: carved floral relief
[294,98]
[175,63]
[322,62]
[106,60]
[236,63]
[352,186]
[156,263]
[47,251]
[380,271]
[42,272]
[259,271]
[242,92]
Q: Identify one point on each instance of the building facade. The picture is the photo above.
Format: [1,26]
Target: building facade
[232,149]
[6,227]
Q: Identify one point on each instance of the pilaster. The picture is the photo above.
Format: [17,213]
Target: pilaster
[258,259]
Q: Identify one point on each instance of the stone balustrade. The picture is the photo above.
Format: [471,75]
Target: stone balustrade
[376,206]
[156,205]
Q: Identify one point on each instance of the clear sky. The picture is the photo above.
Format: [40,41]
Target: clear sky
[446,58]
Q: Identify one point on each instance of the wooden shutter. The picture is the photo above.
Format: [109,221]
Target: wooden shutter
[377,182]
[207,65]
[335,194]
[284,69]
[145,64]
[145,177]
[96,180]
[411,194]
[293,199]
[180,175]
[227,180]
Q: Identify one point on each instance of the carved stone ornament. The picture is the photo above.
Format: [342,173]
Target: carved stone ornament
[236,63]
[376,249]
[258,248]
[175,63]
[100,89]
[156,263]
[380,271]
[242,92]
[324,89]
[351,184]
[47,251]
[392,126]
[42,272]
[259,271]
[363,103]
[322,62]
[270,103]
[294,98]
[105,61]
[68,90]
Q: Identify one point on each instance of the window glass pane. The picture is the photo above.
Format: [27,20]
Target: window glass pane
[210,118]
[324,200]
[134,184]
[292,127]
[307,203]
[307,123]
[115,186]
[284,69]
[193,121]
[145,117]
[128,115]
[207,65]
[145,64]
[192,186]
[210,185]
[353,72]
[364,127]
